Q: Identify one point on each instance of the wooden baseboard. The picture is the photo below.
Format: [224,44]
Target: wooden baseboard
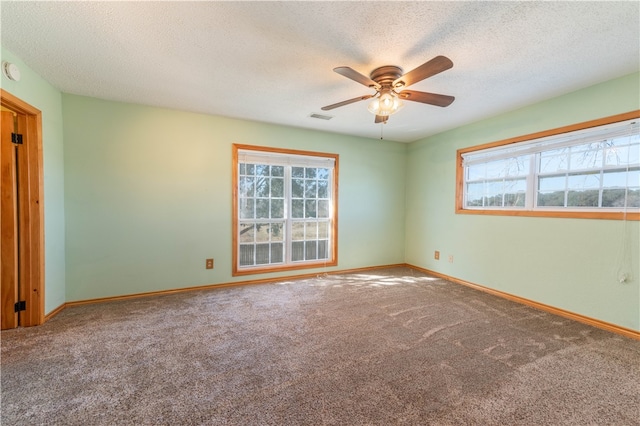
[627,332]
[55,312]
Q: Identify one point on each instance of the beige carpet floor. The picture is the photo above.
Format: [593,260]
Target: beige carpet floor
[388,347]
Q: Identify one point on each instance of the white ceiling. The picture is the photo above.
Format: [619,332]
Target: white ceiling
[273,61]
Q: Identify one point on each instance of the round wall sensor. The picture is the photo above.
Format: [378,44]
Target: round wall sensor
[11,71]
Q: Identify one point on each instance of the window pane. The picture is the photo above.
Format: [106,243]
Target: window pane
[323,230]
[495,169]
[246,187]
[514,199]
[250,169]
[277,171]
[517,166]
[297,231]
[586,181]
[633,197]
[476,172]
[551,198]
[311,231]
[582,198]
[323,189]
[277,187]
[262,208]
[297,209]
[277,252]
[613,197]
[549,183]
[310,209]
[475,194]
[515,185]
[554,161]
[323,252]
[310,252]
[586,156]
[262,232]
[310,189]
[297,188]
[617,179]
[277,209]
[247,232]
[277,232]
[514,192]
[323,208]
[262,254]
[493,194]
[297,172]
[614,183]
[262,170]
[323,174]
[310,173]
[246,208]
[246,254]
[297,251]
[616,155]
[262,187]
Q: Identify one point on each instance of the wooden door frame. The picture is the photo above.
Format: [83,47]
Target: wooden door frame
[31,219]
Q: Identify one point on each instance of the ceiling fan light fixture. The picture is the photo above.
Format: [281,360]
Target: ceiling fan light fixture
[386,104]
[389,82]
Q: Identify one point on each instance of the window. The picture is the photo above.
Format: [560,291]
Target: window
[284,209]
[588,170]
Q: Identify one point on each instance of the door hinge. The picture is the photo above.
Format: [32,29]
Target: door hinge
[16,138]
[20,306]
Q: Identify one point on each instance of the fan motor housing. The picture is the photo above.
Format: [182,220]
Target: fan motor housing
[386,75]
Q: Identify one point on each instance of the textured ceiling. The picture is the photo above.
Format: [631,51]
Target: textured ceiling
[273,61]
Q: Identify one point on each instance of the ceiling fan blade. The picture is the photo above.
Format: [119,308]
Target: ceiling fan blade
[381,118]
[426,98]
[347,102]
[356,76]
[428,69]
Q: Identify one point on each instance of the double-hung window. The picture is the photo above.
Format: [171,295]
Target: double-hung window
[591,170]
[284,209]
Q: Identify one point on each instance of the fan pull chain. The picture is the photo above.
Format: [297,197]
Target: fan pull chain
[381,128]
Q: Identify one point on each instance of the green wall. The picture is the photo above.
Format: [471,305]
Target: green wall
[37,92]
[567,263]
[148,196]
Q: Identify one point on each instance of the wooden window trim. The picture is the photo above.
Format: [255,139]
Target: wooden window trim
[459,209]
[333,261]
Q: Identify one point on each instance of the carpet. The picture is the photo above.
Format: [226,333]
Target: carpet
[386,347]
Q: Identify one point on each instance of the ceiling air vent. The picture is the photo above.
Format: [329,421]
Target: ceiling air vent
[321,117]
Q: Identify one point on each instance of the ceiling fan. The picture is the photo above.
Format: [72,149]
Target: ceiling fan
[388,82]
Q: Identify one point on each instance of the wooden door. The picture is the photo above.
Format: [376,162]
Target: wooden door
[9,224]
[21,214]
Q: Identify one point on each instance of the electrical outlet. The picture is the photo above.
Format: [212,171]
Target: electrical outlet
[450,258]
[436,255]
[209,263]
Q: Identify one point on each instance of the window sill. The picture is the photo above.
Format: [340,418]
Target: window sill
[607,215]
[281,268]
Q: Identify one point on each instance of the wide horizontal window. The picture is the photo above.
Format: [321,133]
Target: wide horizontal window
[588,170]
[285,205]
